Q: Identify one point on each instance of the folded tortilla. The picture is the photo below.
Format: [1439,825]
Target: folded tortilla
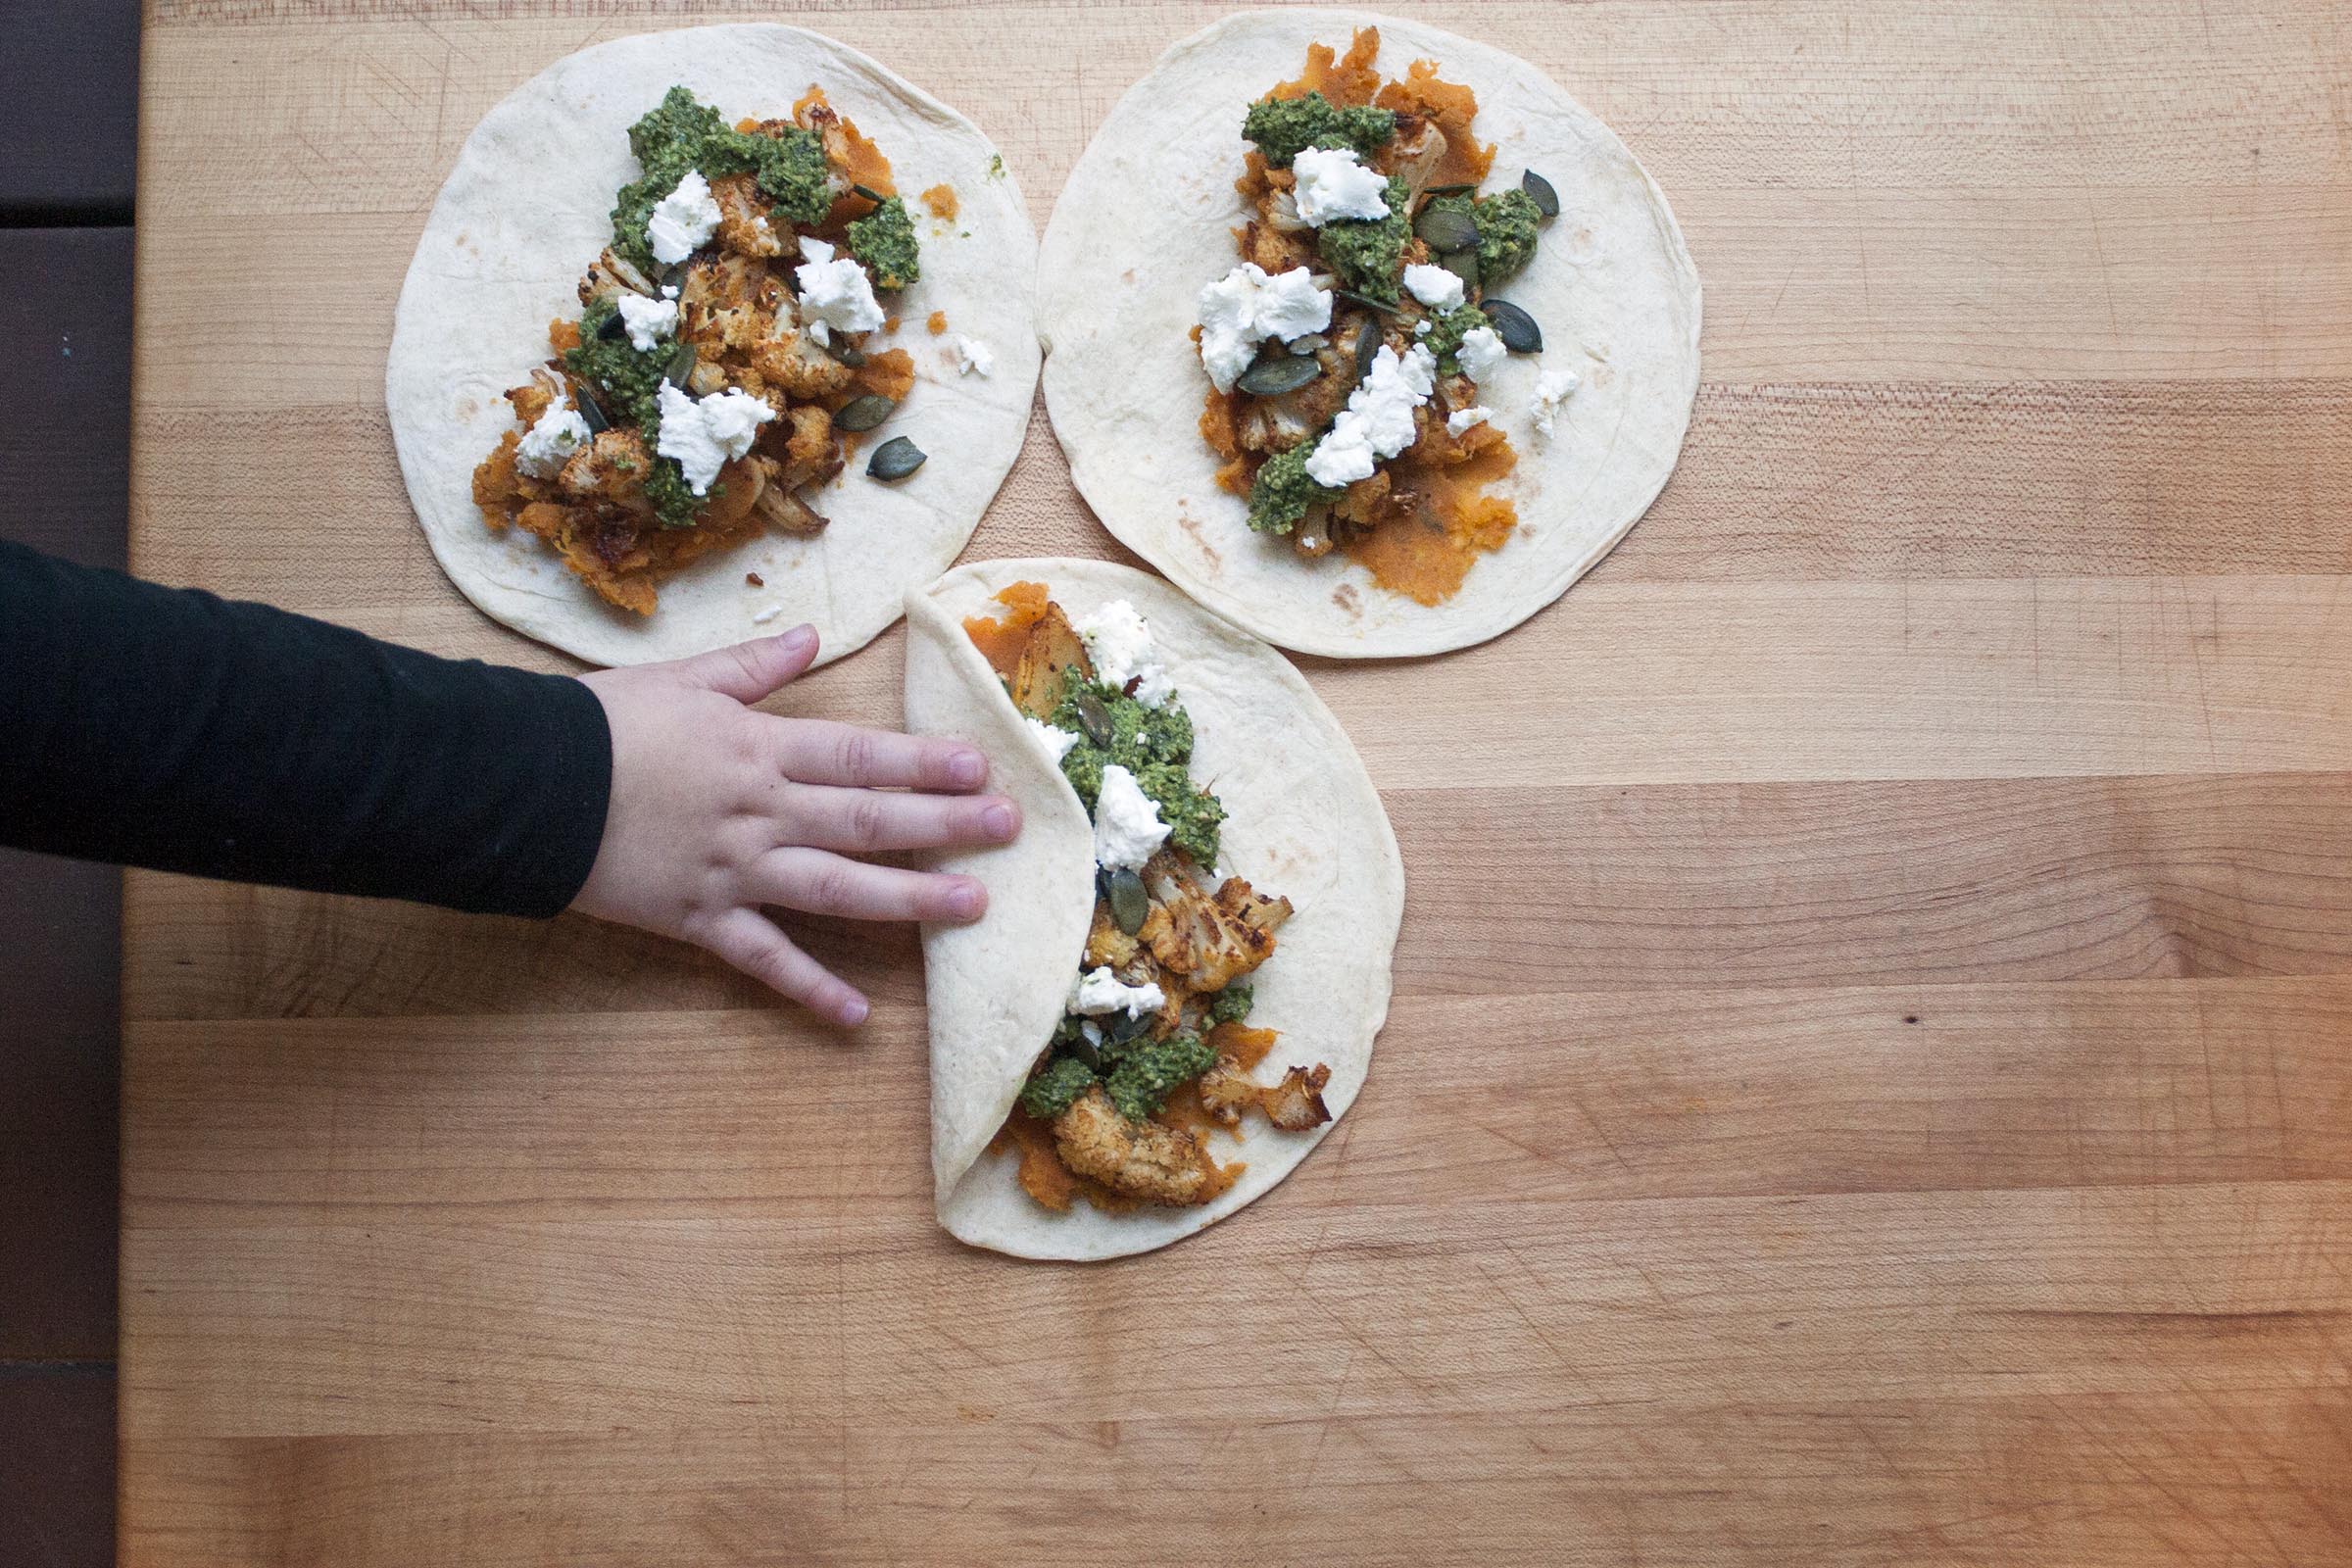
[1304,822]
[529,206]
[1146,222]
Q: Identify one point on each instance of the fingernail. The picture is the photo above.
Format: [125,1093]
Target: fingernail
[855,1011]
[998,820]
[797,640]
[968,900]
[965,769]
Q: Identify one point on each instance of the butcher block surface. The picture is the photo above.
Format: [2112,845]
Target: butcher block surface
[1871,1071]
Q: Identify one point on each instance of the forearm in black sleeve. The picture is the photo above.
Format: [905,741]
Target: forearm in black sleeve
[168,728]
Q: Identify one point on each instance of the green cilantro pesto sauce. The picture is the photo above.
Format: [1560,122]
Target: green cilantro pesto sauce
[1281,492]
[683,134]
[1507,236]
[1232,1005]
[626,384]
[1446,330]
[1282,127]
[884,240]
[1156,745]
[1062,1079]
[1140,1074]
[1368,253]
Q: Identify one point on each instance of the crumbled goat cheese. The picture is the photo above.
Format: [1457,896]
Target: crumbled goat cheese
[1055,742]
[1435,286]
[648,321]
[1246,306]
[1100,992]
[1461,419]
[764,616]
[974,357]
[1480,351]
[1120,646]
[708,434]
[1128,830]
[549,443]
[1332,184]
[682,222]
[1378,421]
[836,296]
[1553,388]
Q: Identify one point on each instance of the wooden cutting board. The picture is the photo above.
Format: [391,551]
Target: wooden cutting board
[1870,1078]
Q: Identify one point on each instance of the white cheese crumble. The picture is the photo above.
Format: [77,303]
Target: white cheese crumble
[682,222]
[1054,741]
[836,296]
[974,357]
[1378,421]
[708,434]
[1246,306]
[764,616]
[1332,184]
[1100,992]
[1120,646]
[1480,351]
[1461,419]
[1553,388]
[648,321]
[551,441]
[1436,288]
[1128,830]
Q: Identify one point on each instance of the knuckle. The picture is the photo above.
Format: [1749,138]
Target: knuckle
[833,889]
[857,754]
[869,820]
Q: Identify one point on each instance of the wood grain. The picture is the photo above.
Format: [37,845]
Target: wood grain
[1870,1077]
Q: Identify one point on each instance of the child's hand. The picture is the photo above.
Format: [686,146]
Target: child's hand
[717,810]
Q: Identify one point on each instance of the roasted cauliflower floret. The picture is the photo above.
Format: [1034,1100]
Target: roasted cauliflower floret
[1147,1160]
[743,222]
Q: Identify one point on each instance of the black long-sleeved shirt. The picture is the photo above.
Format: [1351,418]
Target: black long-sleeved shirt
[168,728]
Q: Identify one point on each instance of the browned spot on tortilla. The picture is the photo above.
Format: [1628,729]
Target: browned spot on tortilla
[1345,596]
[1191,525]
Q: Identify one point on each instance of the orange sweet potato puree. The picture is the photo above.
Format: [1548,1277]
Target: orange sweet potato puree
[941,200]
[1000,641]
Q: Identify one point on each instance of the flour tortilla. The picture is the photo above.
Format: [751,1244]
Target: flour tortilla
[528,207]
[1303,821]
[1146,222]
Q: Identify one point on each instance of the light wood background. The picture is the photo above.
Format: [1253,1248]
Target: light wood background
[1871,1079]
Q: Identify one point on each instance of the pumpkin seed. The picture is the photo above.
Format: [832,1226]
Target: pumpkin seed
[864,413]
[847,354]
[1366,301]
[1271,378]
[1464,266]
[1129,904]
[681,364]
[1095,718]
[895,458]
[870,194]
[613,328]
[1446,228]
[1538,190]
[1085,1051]
[1446,190]
[1516,328]
[1367,347]
[592,413]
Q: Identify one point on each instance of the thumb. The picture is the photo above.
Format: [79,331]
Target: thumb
[749,671]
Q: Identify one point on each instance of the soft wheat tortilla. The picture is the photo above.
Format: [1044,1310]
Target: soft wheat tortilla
[529,206]
[1146,222]
[1303,821]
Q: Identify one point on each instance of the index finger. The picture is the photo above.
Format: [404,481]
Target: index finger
[817,750]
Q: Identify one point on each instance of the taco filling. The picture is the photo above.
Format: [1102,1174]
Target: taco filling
[1153,1052]
[716,369]
[1347,349]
